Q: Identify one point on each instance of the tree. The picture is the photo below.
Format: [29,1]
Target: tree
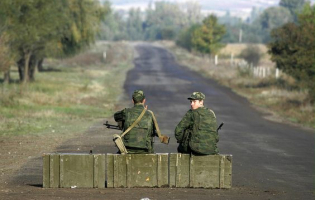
[294,6]
[6,58]
[38,28]
[134,25]
[206,39]
[292,49]
[184,38]
[272,18]
[165,20]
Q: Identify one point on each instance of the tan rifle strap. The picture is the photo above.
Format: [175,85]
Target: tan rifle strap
[134,123]
[156,125]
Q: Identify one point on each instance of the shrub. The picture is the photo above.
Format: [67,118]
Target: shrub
[252,54]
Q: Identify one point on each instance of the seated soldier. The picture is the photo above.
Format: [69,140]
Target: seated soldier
[140,138]
[196,133]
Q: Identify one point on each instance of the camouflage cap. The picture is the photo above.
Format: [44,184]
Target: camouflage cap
[197,96]
[138,95]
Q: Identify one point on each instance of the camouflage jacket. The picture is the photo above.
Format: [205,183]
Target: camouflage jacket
[198,131]
[141,136]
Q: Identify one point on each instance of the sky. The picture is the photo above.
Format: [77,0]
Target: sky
[240,8]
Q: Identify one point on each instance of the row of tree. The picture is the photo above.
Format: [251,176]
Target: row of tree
[166,20]
[31,30]
[293,49]
[161,20]
[258,26]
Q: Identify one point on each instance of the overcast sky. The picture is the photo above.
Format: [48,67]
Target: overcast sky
[239,8]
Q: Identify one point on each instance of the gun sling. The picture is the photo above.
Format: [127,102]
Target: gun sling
[163,139]
[117,138]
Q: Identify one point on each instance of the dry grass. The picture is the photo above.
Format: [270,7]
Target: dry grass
[282,97]
[69,94]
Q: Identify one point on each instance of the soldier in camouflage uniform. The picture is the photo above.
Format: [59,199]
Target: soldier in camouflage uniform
[197,132]
[140,138]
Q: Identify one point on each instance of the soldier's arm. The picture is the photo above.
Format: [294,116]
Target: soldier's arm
[182,126]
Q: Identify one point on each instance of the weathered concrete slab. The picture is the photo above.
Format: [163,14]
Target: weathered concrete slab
[74,170]
[213,171]
[137,170]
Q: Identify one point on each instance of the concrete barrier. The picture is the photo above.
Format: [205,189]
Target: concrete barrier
[214,171]
[137,170]
[74,170]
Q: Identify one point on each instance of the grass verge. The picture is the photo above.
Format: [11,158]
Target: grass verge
[68,95]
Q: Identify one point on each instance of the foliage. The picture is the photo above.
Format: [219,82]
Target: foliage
[6,58]
[252,54]
[113,27]
[257,27]
[294,6]
[163,21]
[39,28]
[206,38]
[292,49]
[134,25]
[184,38]
[272,18]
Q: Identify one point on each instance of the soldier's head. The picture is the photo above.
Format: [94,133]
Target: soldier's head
[196,100]
[138,96]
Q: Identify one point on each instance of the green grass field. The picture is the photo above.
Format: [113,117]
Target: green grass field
[68,95]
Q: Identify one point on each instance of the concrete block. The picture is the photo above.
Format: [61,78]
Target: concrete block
[74,170]
[137,170]
[213,171]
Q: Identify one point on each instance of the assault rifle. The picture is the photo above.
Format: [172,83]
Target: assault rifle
[110,126]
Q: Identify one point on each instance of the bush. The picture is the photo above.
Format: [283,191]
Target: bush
[252,54]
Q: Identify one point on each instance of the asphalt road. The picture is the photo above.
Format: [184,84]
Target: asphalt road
[267,156]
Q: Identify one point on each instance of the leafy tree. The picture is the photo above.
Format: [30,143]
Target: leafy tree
[166,17]
[271,18]
[38,28]
[184,38]
[113,27]
[206,39]
[6,57]
[134,25]
[294,6]
[292,49]
[82,23]
[192,11]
